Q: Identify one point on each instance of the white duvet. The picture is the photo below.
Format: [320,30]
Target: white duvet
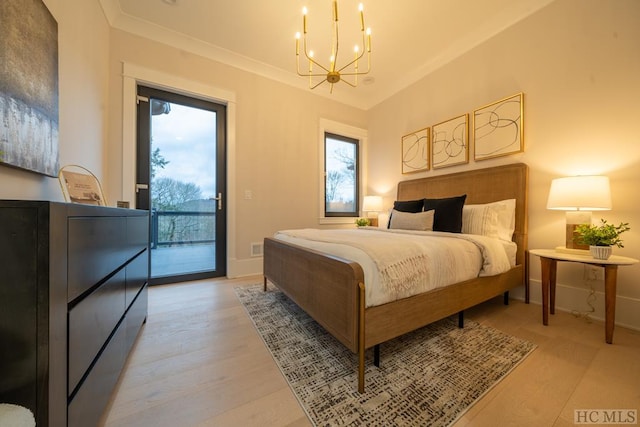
[399,263]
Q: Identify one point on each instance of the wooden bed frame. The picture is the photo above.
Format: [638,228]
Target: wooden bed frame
[331,289]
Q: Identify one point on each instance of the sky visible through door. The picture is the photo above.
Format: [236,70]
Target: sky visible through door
[186,139]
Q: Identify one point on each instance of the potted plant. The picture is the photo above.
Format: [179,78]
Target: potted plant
[601,237]
[362,222]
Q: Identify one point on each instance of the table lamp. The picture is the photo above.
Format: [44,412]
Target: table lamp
[372,205]
[579,196]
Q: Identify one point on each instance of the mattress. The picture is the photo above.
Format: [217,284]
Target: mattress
[399,263]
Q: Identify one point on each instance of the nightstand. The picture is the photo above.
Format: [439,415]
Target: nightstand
[549,261]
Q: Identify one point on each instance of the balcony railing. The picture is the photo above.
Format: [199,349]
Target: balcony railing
[173,228]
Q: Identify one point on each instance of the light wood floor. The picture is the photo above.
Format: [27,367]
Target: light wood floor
[199,362]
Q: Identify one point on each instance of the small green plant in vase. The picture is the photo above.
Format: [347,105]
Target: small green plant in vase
[362,222]
[601,237]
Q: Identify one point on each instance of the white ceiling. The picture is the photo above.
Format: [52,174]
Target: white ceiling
[410,38]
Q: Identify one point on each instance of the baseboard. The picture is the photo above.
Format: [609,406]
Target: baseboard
[244,267]
[571,299]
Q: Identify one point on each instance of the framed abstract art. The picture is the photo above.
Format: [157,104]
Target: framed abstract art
[497,128]
[28,87]
[449,142]
[415,151]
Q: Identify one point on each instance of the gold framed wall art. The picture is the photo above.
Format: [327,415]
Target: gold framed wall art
[415,151]
[449,142]
[498,128]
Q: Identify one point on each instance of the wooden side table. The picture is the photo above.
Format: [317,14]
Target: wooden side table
[549,261]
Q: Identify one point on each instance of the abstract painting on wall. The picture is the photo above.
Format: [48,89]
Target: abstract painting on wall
[497,128]
[28,86]
[415,151]
[449,142]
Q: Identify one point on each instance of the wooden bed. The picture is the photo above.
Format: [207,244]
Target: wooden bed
[331,289]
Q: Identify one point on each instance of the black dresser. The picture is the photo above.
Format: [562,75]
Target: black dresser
[73,297]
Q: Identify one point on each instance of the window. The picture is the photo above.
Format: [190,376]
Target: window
[343,172]
[341,177]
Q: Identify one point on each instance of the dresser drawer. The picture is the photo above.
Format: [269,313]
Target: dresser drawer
[90,324]
[97,246]
[88,404]
[137,275]
[137,233]
[136,316]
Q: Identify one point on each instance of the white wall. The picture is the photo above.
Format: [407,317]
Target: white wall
[578,64]
[275,144]
[83,37]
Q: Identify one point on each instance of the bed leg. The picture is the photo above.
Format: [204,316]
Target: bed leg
[265,284]
[361,343]
[376,355]
[506,298]
[461,319]
[526,277]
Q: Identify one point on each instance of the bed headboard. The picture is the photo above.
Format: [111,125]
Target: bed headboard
[481,186]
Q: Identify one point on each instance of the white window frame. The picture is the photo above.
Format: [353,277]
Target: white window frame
[341,129]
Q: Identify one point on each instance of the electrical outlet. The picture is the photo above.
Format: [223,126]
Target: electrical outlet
[593,273]
[248,194]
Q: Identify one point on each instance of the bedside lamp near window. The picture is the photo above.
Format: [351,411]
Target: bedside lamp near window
[579,196]
[372,205]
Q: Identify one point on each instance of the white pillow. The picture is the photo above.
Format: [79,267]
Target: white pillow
[495,219]
[422,221]
[480,219]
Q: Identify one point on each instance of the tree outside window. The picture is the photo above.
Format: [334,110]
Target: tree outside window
[341,175]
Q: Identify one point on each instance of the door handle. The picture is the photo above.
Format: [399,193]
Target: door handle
[219,199]
[141,187]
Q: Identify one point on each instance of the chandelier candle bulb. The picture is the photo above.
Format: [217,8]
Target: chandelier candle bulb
[361,8]
[304,19]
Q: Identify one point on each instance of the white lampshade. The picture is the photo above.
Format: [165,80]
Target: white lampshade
[580,193]
[372,204]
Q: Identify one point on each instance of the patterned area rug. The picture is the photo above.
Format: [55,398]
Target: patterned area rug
[429,377]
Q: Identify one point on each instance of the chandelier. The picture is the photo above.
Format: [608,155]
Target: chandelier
[334,73]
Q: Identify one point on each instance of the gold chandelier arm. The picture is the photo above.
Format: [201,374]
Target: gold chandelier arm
[318,84]
[315,62]
[359,57]
[357,73]
[310,58]
[348,82]
[354,61]
[307,73]
[324,76]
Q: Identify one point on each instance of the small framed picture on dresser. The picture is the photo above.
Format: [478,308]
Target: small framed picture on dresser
[79,185]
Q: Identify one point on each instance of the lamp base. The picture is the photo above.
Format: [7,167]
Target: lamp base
[574,251]
[575,218]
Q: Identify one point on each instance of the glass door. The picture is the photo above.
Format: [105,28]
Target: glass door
[181,180]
